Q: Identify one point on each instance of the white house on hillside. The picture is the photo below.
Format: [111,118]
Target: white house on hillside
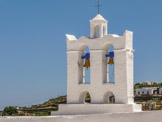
[160,91]
[148,91]
[149,82]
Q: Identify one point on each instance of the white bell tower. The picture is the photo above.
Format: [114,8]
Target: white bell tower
[105,96]
[98,27]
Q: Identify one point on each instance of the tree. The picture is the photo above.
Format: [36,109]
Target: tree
[9,111]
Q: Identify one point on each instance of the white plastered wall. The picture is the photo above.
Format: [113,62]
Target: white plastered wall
[123,87]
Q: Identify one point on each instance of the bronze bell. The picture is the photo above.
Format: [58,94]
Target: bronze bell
[87,63]
[111,62]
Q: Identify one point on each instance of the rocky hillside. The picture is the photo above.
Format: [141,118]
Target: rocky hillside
[44,108]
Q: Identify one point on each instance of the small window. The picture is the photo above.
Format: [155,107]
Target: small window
[84,97]
[142,92]
[109,98]
[147,92]
[138,92]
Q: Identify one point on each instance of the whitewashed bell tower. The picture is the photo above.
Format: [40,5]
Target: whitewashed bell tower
[100,89]
[98,27]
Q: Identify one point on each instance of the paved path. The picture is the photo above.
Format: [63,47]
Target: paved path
[154,116]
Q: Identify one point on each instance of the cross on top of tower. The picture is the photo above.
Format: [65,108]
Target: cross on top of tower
[98,6]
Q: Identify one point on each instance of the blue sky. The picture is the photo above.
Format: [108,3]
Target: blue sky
[33,45]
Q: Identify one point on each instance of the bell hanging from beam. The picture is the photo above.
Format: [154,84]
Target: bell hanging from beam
[111,61]
[87,63]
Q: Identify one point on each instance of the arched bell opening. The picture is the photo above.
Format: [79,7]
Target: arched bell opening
[109,98]
[84,98]
[110,74]
[97,31]
[110,65]
[86,65]
[83,46]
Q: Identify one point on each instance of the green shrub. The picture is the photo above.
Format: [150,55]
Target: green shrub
[9,111]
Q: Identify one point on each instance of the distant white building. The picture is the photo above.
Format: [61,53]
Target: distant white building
[160,91]
[147,91]
[149,82]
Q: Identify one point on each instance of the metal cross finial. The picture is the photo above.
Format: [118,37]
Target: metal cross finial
[99,5]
